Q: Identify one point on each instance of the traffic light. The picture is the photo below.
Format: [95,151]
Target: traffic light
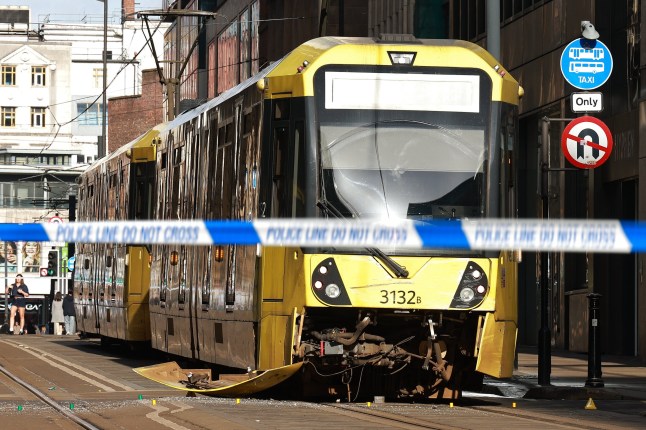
[52,263]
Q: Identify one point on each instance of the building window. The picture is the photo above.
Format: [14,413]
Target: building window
[212,74]
[228,47]
[9,75]
[8,116]
[89,113]
[38,76]
[97,74]
[38,117]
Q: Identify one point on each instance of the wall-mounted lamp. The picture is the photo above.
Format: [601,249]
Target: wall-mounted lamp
[588,31]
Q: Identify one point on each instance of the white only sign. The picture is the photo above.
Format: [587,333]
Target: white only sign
[587,102]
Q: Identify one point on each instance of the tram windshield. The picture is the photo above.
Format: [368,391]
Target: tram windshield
[403,169]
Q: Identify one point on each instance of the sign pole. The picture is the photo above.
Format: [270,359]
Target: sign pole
[6,286]
[544,333]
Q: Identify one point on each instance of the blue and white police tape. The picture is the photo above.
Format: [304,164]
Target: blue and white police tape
[481,234]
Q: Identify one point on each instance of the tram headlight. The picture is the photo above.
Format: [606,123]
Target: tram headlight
[332,291]
[402,57]
[327,284]
[467,294]
[472,289]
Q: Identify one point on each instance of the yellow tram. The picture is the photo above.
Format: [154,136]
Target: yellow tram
[111,281]
[348,128]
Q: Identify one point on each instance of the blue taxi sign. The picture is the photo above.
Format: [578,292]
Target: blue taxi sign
[586,63]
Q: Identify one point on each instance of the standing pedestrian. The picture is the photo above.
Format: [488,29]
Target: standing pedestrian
[18,292]
[70,313]
[57,314]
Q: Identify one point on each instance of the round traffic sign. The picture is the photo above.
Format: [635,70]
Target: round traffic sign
[56,220]
[586,142]
[586,64]
[43,271]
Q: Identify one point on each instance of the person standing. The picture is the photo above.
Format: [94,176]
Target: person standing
[69,313]
[57,313]
[18,292]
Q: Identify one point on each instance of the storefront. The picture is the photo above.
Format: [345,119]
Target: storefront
[36,314]
[41,265]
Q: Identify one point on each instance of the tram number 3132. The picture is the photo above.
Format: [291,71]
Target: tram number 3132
[400,297]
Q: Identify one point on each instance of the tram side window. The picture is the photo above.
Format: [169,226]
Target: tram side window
[227,180]
[206,283]
[227,169]
[163,281]
[143,192]
[298,209]
[280,204]
[507,190]
[281,109]
[164,160]
[178,179]
[182,277]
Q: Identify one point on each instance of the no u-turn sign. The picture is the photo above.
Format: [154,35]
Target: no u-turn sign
[586,142]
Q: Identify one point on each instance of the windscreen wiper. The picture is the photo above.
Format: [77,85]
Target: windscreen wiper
[399,270]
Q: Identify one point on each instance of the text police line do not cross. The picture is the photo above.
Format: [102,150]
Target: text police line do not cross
[393,235]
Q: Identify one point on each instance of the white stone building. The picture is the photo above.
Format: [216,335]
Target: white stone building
[51,85]
[51,103]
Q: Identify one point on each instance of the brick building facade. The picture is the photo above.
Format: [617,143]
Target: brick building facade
[131,116]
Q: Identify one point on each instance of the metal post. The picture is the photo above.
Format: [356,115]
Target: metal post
[341,18]
[493,28]
[594,347]
[6,286]
[105,78]
[177,95]
[544,333]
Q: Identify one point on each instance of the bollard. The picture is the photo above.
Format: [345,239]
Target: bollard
[594,347]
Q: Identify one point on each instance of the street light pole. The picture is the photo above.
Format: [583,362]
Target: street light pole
[6,287]
[104,107]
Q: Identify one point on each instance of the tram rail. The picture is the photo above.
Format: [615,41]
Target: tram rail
[48,400]
[31,365]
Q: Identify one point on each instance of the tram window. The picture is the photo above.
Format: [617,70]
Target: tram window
[143,203]
[178,155]
[178,158]
[108,261]
[206,284]
[182,278]
[227,181]
[246,123]
[229,133]
[281,109]
[163,283]
[221,136]
[279,203]
[298,191]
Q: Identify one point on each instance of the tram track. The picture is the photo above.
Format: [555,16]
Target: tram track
[48,400]
[27,374]
[464,417]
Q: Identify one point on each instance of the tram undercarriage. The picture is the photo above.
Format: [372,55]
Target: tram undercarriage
[414,354]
